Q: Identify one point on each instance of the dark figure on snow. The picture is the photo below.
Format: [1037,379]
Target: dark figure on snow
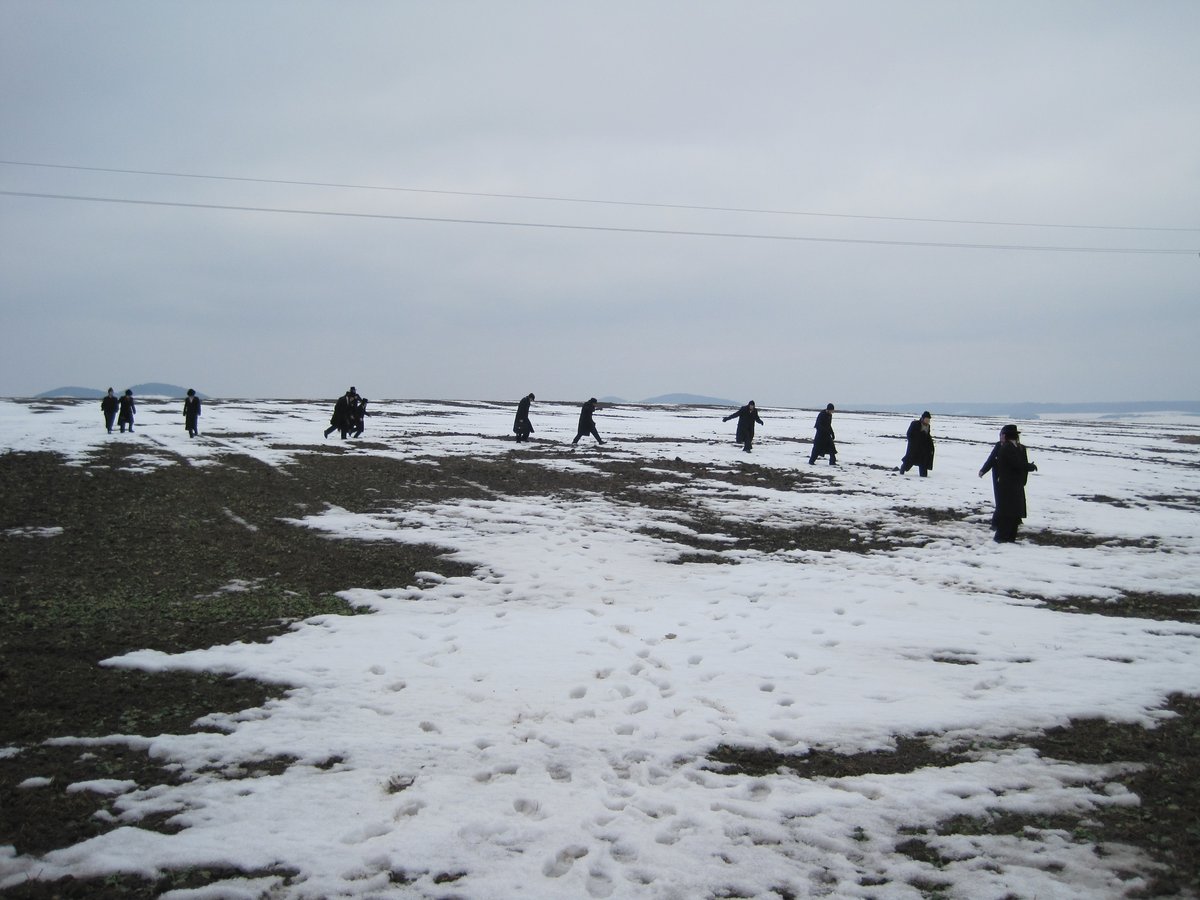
[340,420]
[587,425]
[1010,467]
[746,417]
[989,465]
[920,446]
[191,413]
[358,416]
[110,404]
[823,441]
[522,427]
[125,417]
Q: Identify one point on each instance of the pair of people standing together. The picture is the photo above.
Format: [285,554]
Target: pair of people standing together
[121,409]
[1010,467]
[1008,462]
[349,415]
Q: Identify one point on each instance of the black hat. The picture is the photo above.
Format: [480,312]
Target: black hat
[1010,431]
[926,415]
[829,406]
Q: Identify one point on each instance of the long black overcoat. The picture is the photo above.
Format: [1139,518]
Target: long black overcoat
[586,421]
[1011,468]
[823,441]
[920,447]
[746,417]
[989,465]
[341,413]
[521,423]
[127,409]
[191,412]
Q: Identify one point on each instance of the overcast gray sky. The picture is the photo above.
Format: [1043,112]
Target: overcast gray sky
[841,123]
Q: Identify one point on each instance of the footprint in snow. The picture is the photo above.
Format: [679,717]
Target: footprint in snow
[599,884]
[530,808]
[561,864]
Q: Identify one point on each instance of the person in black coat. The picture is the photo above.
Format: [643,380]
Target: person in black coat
[110,405]
[746,417]
[823,444]
[191,413]
[340,420]
[989,465]
[125,416]
[522,427]
[358,417]
[587,425]
[920,446]
[1010,467]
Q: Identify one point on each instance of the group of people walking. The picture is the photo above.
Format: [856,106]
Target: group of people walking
[1008,462]
[349,415]
[122,410]
[119,410]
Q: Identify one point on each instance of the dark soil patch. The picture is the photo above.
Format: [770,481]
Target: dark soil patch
[1135,605]
[37,819]
[151,560]
[934,515]
[751,536]
[1077,540]
[1165,824]
[1188,502]
[132,887]
[1104,498]
[910,754]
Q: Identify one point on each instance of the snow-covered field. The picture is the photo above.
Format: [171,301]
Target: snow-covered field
[540,729]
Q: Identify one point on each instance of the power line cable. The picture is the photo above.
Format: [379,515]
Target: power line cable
[627,203]
[607,228]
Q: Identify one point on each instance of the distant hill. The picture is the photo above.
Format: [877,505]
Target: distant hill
[149,389]
[85,393]
[690,399]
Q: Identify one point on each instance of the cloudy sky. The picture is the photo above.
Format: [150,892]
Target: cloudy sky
[778,200]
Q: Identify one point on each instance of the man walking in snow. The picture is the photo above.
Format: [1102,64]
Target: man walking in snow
[587,425]
[746,417]
[823,441]
[522,427]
